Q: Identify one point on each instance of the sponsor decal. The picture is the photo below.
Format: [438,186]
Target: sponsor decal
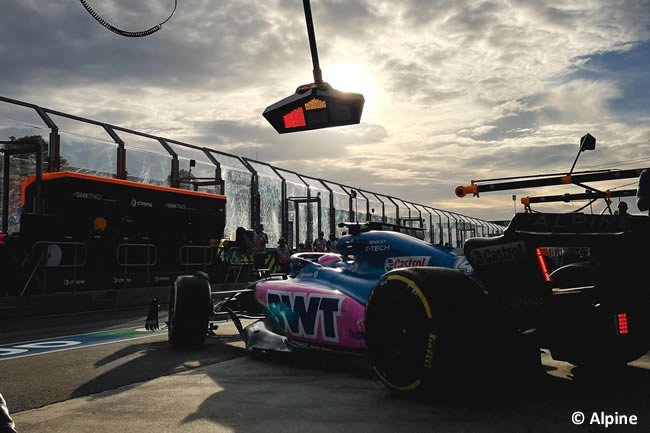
[302,314]
[138,203]
[428,357]
[376,246]
[87,195]
[175,206]
[405,262]
[74,282]
[463,265]
[505,253]
[571,223]
[358,335]
[309,274]
[121,280]
[519,302]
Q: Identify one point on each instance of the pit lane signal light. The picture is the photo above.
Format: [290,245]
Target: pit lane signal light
[314,107]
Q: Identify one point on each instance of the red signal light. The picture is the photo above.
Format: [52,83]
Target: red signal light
[622,323]
[542,264]
[294,118]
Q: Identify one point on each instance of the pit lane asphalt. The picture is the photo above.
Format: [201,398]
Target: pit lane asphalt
[142,386]
[39,380]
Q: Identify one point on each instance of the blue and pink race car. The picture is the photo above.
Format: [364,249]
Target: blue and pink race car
[418,310]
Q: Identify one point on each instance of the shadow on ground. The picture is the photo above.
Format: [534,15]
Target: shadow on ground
[322,392]
[327,393]
[151,360]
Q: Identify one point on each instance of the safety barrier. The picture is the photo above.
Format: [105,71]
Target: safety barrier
[258,191]
[186,257]
[52,253]
[150,253]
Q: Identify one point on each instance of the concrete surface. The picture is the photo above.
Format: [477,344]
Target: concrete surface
[270,394]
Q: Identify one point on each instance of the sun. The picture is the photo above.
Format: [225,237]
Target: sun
[353,77]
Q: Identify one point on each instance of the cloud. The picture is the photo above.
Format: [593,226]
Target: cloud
[462,89]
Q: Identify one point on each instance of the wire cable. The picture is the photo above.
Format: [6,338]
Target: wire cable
[621,186]
[22,122]
[623,162]
[125,33]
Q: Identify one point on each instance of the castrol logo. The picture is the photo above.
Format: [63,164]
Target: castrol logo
[405,262]
[511,252]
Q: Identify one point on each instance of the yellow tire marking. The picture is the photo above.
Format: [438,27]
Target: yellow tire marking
[410,387]
[417,290]
[428,357]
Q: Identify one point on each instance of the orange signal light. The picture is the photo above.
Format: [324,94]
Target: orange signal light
[315,104]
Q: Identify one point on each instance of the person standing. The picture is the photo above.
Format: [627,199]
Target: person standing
[622,209]
[331,244]
[260,239]
[283,254]
[320,244]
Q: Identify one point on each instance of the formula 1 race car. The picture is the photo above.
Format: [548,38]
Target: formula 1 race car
[567,282]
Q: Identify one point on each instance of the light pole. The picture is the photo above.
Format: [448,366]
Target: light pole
[318,76]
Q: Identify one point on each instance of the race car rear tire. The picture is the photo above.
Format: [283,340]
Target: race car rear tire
[190,305]
[421,323]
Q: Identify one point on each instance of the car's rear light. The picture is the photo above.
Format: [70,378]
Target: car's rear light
[542,264]
[622,323]
[3,236]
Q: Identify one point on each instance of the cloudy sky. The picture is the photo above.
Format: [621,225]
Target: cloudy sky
[455,90]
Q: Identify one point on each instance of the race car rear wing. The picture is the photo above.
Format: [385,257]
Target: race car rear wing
[555,229]
[576,223]
[613,241]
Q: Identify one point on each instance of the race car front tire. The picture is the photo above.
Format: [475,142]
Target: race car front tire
[420,324]
[190,305]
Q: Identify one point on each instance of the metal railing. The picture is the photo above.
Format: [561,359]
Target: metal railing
[442,226]
[148,252]
[54,258]
[187,259]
